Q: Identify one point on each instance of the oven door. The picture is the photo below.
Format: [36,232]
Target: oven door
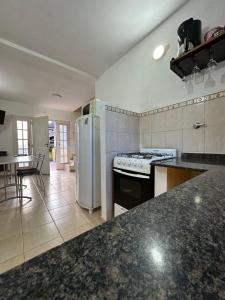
[131,188]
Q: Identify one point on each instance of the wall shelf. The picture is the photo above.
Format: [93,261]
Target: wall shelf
[199,56]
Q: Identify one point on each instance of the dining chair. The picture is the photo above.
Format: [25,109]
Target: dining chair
[36,170]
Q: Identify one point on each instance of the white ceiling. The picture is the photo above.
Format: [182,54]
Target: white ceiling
[28,79]
[89,35]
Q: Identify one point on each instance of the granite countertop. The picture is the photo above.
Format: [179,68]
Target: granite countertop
[170,247]
[184,164]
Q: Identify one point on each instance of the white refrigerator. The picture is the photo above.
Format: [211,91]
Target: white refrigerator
[88,164]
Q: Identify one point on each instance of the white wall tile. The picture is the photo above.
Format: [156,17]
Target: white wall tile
[123,141]
[215,112]
[133,125]
[193,140]
[174,128]
[215,139]
[109,161]
[109,194]
[174,119]
[193,113]
[145,124]
[159,122]
[111,141]
[146,140]
[174,139]
[159,139]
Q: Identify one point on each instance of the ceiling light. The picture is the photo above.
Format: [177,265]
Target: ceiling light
[158,52]
[57,95]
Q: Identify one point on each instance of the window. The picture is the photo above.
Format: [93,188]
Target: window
[22,137]
[63,143]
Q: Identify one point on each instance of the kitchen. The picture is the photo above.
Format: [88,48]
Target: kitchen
[172,246]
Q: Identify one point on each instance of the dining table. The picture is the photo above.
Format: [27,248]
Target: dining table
[10,165]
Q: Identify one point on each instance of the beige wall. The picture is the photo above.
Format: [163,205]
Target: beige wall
[27,110]
[139,83]
[173,128]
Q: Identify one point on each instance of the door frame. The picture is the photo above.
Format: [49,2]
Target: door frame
[61,166]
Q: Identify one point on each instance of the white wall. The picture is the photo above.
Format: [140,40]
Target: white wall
[137,82]
[28,110]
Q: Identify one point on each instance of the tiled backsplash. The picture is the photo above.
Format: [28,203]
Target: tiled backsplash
[173,127]
[167,127]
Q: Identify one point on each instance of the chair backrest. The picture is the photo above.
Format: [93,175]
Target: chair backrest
[40,161]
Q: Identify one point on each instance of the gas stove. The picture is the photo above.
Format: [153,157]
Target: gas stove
[141,161]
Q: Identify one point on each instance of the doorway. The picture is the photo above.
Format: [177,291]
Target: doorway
[52,140]
[30,136]
[58,144]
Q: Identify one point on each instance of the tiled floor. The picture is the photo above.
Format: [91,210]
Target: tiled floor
[35,227]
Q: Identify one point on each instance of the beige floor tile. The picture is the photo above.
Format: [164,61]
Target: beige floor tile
[35,219]
[9,205]
[39,208]
[10,229]
[70,223]
[56,204]
[39,236]
[43,248]
[34,203]
[11,263]
[79,230]
[50,191]
[31,193]
[96,222]
[40,232]
[9,216]
[11,247]
[70,200]
[96,213]
[53,197]
[62,212]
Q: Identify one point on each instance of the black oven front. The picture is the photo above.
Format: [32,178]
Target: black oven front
[131,188]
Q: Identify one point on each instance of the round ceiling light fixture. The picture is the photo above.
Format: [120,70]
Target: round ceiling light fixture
[158,52]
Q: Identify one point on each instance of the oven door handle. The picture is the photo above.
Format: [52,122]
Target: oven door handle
[131,174]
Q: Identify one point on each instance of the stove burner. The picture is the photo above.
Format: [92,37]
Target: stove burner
[140,155]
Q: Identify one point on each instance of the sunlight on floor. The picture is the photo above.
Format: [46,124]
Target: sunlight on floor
[43,223]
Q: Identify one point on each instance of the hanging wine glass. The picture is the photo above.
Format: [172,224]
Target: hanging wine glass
[212,63]
[210,82]
[197,73]
[184,78]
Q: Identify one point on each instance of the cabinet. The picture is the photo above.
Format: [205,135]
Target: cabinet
[166,178]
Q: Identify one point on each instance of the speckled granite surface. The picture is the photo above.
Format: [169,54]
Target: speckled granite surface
[171,247]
